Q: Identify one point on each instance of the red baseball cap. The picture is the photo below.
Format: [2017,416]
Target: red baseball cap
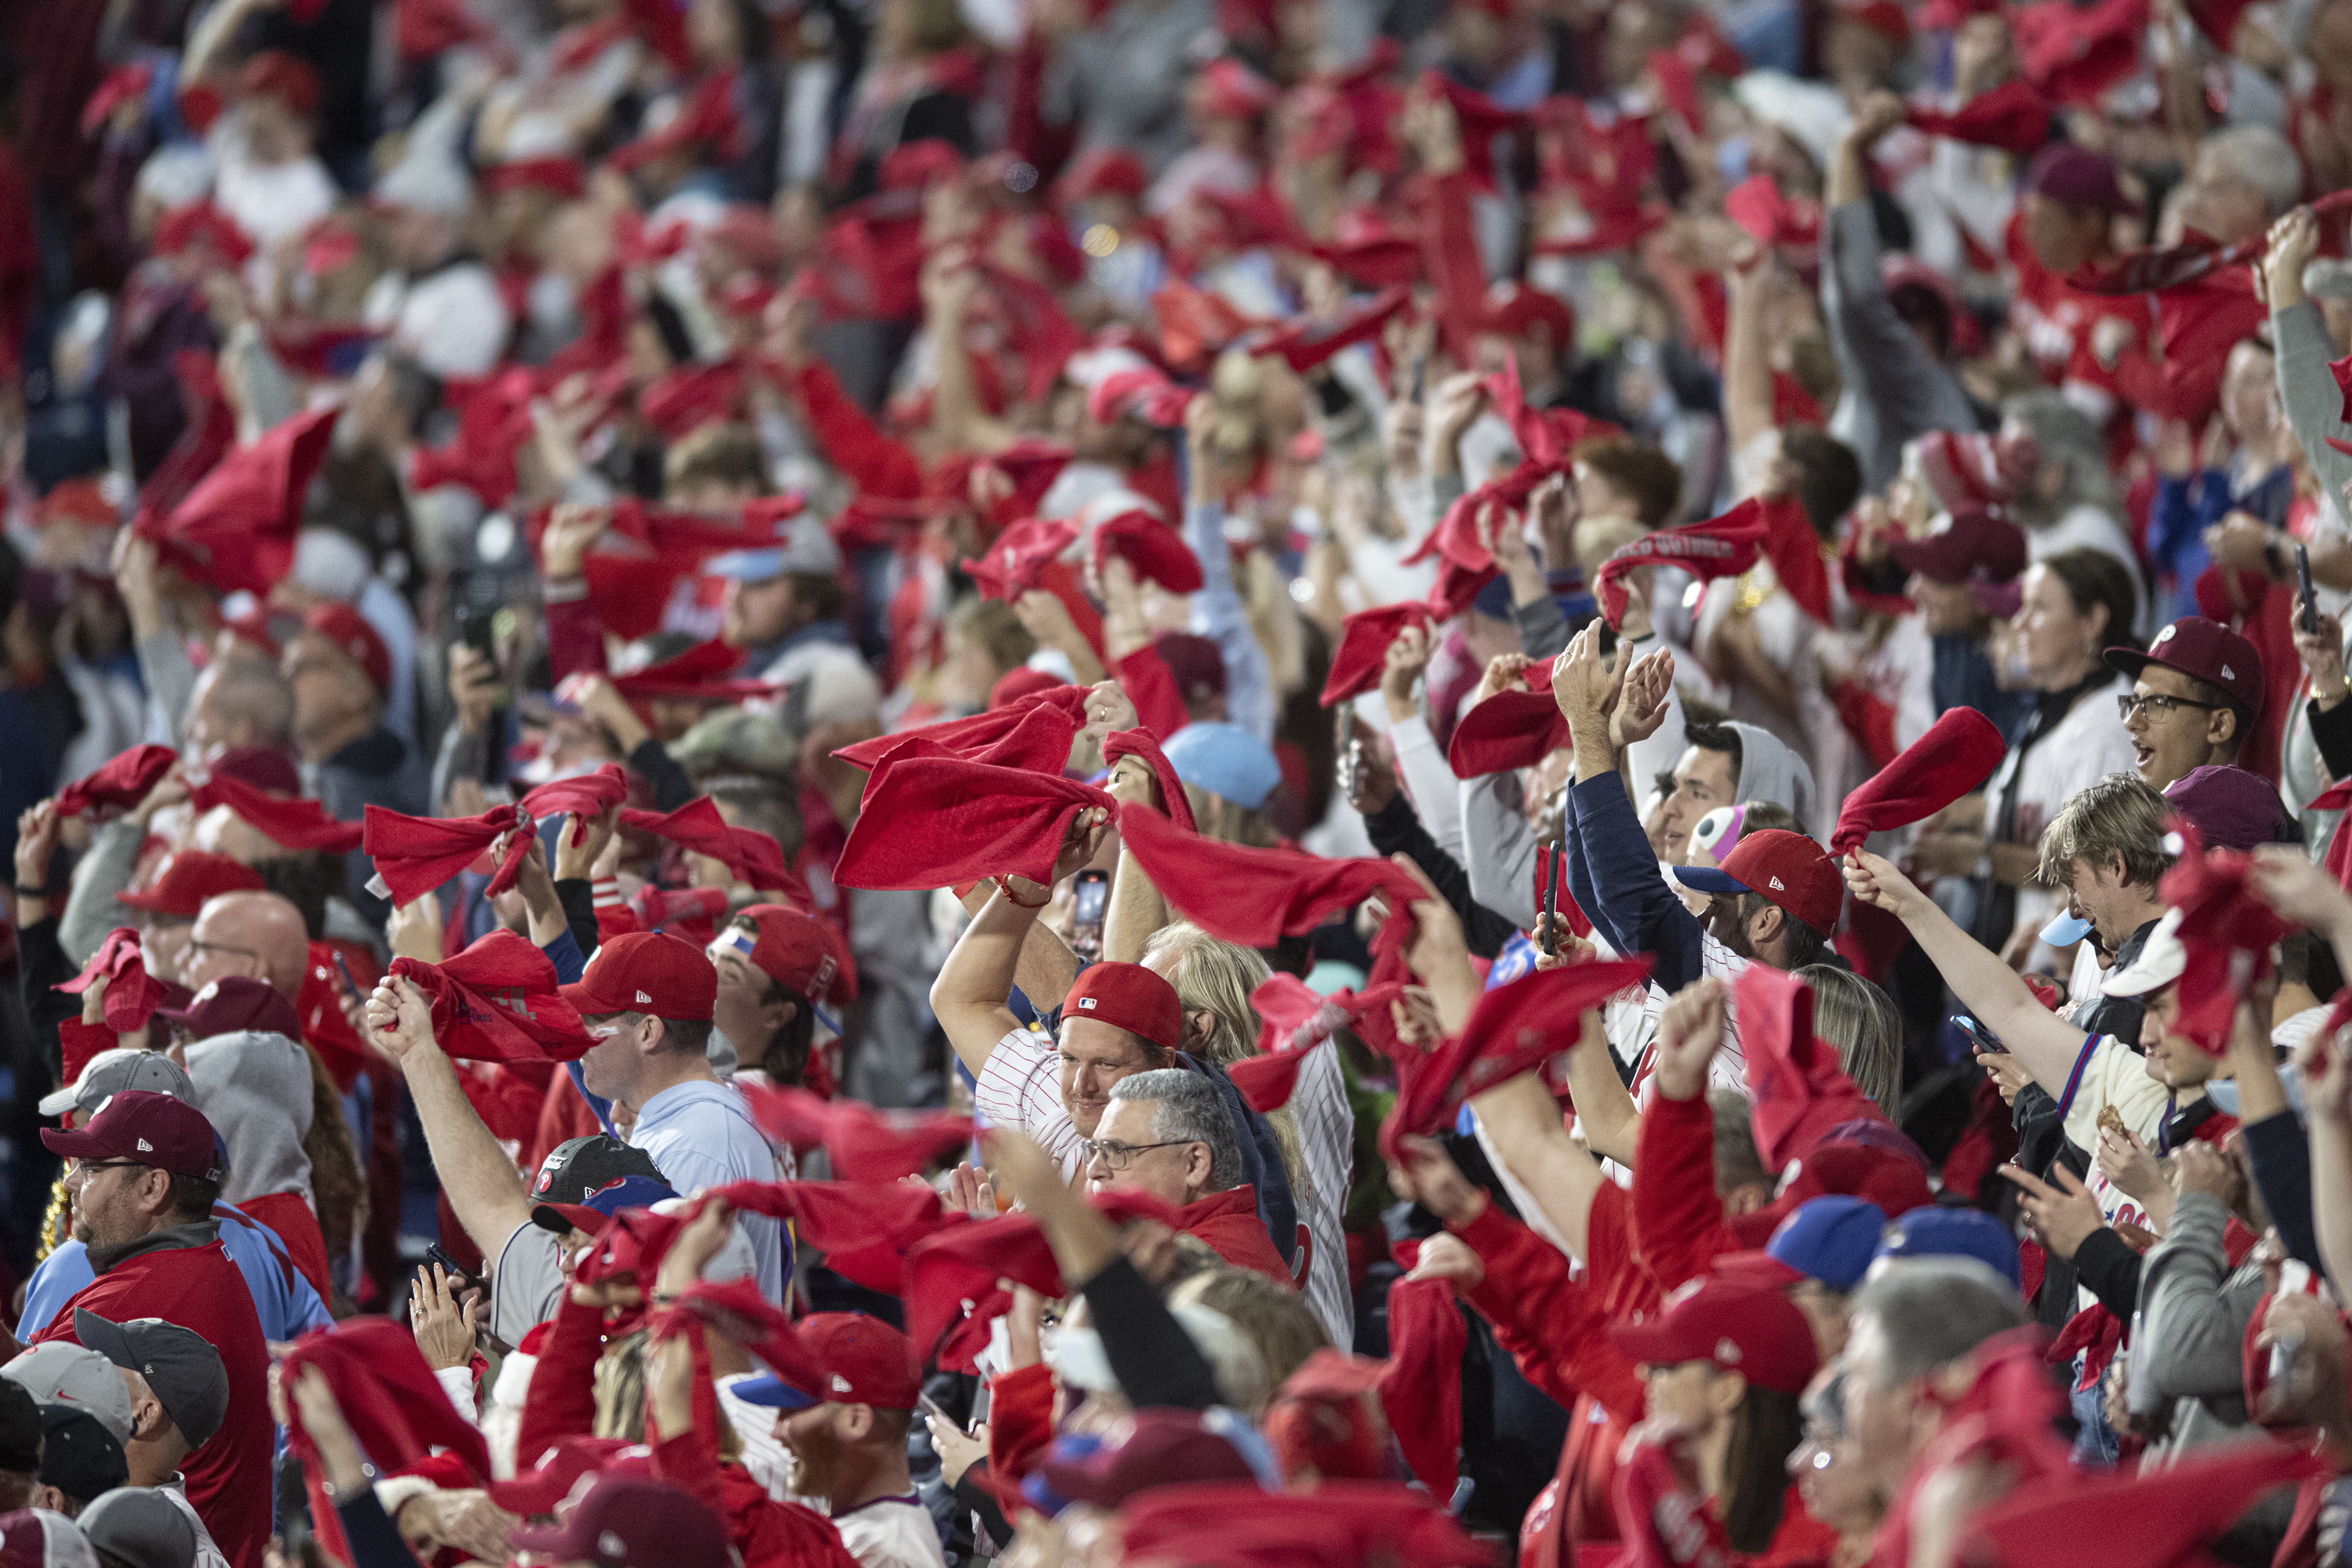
[647,972]
[357,640]
[866,1362]
[189,877]
[149,1128]
[804,954]
[236,1002]
[1513,307]
[1788,868]
[1971,545]
[1128,997]
[1744,1328]
[2208,650]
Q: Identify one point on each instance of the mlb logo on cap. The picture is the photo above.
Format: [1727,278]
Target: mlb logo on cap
[1086,1002]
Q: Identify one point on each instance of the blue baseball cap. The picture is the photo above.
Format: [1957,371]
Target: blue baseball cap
[774,1391]
[1225,760]
[805,547]
[1831,1239]
[1953,1233]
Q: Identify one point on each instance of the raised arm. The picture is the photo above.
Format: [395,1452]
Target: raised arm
[484,1187]
[2044,1044]
[1523,1124]
[969,996]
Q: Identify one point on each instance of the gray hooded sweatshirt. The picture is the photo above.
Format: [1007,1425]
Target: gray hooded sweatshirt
[254,1089]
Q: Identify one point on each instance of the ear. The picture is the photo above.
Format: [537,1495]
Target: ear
[856,1422]
[1199,1162]
[1726,1391]
[1200,1024]
[2220,726]
[156,1191]
[776,1014]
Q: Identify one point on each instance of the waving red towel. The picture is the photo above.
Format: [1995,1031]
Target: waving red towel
[965,1262]
[1305,344]
[581,796]
[235,529]
[692,913]
[1255,896]
[1720,547]
[295,822]
[132,994]
[415,855]
[498,1002]
[2014,116]
[1797,1089]
[1959,751]
[1757,206]
[970,737]
[1141,744]
[1363,650]
[1157,552]
[1017,561]
[738,1310]
[938,821]
[1515,729]
[396,1409]
[2228,930]
[701,671]
[1297,1020]
[863,1229]
[124,780]
[755,857]
[1420,1391]
[866,1144]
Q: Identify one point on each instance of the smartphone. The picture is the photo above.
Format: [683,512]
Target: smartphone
[350,984]
[1091,899]
[433,1254]
[2302,582]
[932,1408]
[480,630]
[1976,1032]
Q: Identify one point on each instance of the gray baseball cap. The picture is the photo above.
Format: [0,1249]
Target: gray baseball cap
[140,1526]
[69,1374]
[184,1371]
[111,1072]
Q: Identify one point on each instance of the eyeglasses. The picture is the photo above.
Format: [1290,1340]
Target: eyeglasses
[2157,705]
[84,1167]
[1118,1156]
[194,946]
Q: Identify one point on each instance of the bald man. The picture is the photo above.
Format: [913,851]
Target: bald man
[256,934]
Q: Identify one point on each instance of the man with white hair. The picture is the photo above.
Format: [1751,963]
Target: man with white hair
[2243,178]
[1166,1133]
[440,303]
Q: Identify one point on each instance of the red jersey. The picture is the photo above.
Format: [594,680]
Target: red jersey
[1228,1223]
[200,1290]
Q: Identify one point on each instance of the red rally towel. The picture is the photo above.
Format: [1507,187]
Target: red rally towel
[2014,116]
[1138,742]
[1958,752]
[415,855]
[1255,896]
[969,738]
[738,1310]
[1516,728]
[866,1144]
[700,671]
[2228,930]
[1364,639]
[1720,547]
[935,822]
[1297,1020]
[1420,1391]
[863,1229]
[1017,562]
[235,529]
[295,822]
[756,858]
[498,1002]
[1157,552]
[581,796]
[132,994]
[124,780]
[1798,1088]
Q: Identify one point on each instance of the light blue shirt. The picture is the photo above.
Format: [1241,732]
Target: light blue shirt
[699,1134]
[284,1301]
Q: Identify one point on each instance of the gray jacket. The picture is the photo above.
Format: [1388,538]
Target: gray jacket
[92,911]
[2186,1346]
[1892,388]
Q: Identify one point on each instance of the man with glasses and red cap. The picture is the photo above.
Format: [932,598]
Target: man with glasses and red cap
[147,1170]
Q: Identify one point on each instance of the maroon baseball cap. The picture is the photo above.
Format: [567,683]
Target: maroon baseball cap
[188,877]
[1969,544]
[1745,1328]
[647,972]
[145,1127]
[1196,662]
[233,1003]
[627,1522]
[1167,1449]
[1128,997]
[2075,176]
[1788,868]
[2208,650]
[562,1465]
[800,953]
[2231,807]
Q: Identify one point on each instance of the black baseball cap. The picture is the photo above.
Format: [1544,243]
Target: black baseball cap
[81,1457]
[20,1429]
[183,1369]
[579,1168]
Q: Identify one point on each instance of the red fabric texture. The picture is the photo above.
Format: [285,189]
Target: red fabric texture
[235,529]
[970,738]
[2229,932]
[1017,562]
[2075,54]
[396,1407]
[201,1290]
[1159,706]
[123,780]
[1228,1225]
[1720,547]
[754,857]
[1157,552]
[1959,751]
[132,994]
[1138,742]
[865,1230]
[1364,639]
[933,822]
[416,855]
[1797,1089]
[700,671]
[737,1310]
[291,1217]
[866,1144]
[1420,1391]
[498,1002]
[288,821]
[2198,323]
[1339,1524]
[1678,1215]
[1254,897]
[581,796]
[1513,729]
[2013,116]
[1295,1020]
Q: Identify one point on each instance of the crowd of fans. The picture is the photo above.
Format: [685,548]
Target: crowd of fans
[1145,781]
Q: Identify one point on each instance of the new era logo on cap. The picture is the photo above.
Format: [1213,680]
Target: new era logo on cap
[840,1384]
[1727,1352]
[145,1147]
[1777,886]
[643,997]
[2229,674]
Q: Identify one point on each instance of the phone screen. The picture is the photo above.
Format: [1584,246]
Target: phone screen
[1092,898]
[2302,582]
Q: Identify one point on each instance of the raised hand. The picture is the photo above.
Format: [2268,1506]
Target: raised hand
[1690,1031]
[444,1324]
